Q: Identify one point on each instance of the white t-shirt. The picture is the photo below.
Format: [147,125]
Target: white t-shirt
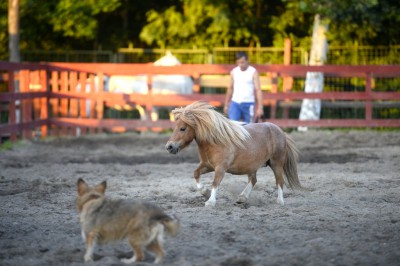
[243,85]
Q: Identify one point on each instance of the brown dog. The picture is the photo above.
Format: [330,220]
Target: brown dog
[104,220]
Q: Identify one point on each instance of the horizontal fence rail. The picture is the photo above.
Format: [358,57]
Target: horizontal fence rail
[37,100]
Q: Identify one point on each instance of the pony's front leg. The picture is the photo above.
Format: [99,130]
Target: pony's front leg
[202,169]
[252,180]
[218,176]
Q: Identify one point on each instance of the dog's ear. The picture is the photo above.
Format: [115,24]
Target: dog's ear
[82,187]
[101,188]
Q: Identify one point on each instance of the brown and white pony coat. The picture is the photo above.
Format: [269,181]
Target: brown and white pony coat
[227,147]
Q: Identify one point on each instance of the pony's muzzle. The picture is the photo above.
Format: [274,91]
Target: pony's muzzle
[172,147]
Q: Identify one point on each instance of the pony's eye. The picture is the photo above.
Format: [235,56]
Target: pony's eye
[182,128]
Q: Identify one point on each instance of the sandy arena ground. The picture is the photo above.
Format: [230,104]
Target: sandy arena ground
[350,214]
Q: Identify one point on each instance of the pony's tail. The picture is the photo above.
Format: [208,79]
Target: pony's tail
[290,165]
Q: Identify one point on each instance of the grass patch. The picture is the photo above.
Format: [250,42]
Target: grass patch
[7,145]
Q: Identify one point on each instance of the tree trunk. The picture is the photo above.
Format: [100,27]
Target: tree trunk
[311,109]
[13,30]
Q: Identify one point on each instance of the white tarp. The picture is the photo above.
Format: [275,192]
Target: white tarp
[161,84]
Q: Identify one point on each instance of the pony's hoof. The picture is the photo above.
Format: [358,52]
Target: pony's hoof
[205,192]
[241,199]
[88,258]
[280,202]
[210,203]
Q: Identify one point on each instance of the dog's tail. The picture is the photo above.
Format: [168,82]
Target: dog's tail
[171,224]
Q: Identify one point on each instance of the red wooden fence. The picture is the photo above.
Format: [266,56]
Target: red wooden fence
[48,100]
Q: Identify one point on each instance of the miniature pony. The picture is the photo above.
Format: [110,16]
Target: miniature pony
[225,146]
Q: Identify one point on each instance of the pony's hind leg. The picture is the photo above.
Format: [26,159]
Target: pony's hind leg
[252,180]
[278,172]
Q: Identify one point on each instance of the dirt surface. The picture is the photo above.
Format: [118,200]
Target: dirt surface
[349,215]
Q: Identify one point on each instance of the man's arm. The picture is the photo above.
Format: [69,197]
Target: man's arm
[229,93]
[258,94]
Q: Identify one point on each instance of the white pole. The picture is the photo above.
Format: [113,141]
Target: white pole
[311,109]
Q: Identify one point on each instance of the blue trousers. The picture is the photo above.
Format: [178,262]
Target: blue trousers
[238,111]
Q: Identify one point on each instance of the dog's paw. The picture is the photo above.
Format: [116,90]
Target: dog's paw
[129,261]
[157,260]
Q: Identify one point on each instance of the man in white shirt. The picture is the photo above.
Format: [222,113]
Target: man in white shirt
[243,92]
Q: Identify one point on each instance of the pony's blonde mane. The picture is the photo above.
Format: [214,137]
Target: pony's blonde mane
[211,126]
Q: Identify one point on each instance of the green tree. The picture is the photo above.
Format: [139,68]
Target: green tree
[80,25]
[202,24]
[56,24]
[77,18]
[111,24]
[292,22]
[362,22]
[3,33]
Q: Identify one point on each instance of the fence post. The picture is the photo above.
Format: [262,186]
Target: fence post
[196,85]
[26,105]
[368,103]
[54,102]
[274,89]
[149,102]
[35,86]
[12,109]
[287,81]
[64,100]
[287,51]
[73,102]
[82,102]
[44,106]
[92,87]
[100,98]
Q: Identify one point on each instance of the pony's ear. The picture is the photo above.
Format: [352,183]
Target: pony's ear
[101,188]
[82,187]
